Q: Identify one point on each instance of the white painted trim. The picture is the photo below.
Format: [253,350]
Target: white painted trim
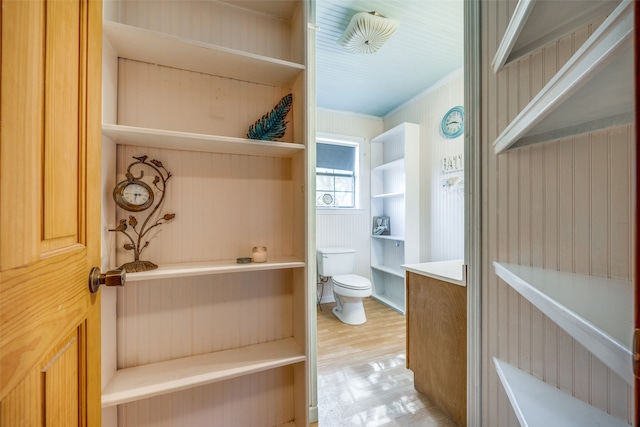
[473,210]
[311,131]
[516,24]
[339,211]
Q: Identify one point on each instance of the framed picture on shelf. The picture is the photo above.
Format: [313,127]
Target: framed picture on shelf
[381,226]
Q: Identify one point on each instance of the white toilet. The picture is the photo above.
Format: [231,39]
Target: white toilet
[348,288]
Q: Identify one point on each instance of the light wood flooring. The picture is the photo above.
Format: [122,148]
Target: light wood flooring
[362,375]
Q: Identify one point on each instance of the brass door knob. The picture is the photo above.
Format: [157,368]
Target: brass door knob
[115,277]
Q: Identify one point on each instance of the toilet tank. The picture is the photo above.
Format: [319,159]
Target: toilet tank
[335,261]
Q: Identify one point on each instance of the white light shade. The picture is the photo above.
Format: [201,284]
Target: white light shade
[367,32]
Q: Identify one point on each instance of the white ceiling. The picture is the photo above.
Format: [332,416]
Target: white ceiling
[427,47]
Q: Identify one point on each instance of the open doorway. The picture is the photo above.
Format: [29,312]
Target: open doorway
[364,95]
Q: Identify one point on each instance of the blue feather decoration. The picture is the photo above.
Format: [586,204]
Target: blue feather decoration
[272,125]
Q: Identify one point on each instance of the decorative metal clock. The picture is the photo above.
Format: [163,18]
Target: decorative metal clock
[135,195]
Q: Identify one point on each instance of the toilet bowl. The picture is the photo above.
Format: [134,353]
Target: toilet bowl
[348,288]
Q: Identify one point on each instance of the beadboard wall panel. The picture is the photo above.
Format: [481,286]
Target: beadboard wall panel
[441,193]
[218,404]
[561,205]
[168,319]
[215,23]
[216,199]
[158,97]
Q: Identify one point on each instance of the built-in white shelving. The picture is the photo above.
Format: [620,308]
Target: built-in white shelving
[389,237]
[274,343]
[387,195]
[395,194]
[596,311]
[171,51]
[168,271]
[537,403]
[388,270]
[537,23]
[157,138]
[155,379]
[593,90]
[396,165]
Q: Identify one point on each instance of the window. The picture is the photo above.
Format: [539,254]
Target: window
[336,173]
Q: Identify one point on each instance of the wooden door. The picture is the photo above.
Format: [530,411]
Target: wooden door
[49,212]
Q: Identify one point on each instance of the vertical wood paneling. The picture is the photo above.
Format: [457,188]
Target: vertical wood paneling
[160,97]
[620,147]
[441,205]
[218,404]
[213,22]
[561,205]
[165,319]
[217,199]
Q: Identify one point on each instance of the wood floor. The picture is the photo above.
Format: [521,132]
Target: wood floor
[362,375]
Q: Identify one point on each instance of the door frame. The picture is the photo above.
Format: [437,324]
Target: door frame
[473,208]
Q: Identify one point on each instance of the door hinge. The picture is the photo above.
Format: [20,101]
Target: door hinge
[636,352]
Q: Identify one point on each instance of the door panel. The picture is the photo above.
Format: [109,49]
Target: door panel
[49,212]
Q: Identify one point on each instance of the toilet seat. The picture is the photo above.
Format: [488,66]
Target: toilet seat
[352,281]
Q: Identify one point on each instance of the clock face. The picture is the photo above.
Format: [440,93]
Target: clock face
[453,122]
[133,195]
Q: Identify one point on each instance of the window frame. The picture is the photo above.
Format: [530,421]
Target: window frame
[345,140]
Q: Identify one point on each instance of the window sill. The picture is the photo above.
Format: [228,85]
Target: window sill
[338,211]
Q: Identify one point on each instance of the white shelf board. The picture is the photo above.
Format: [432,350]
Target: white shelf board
[534,24]
[389,270]
[212,267]
[593,90]
[387,195]
[141,382]
[400,129]
[537,403]
[388,237]
[596,311]
[156,138]
[395,166]
[178,52]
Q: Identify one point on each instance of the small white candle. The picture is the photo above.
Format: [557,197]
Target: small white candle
[259,254]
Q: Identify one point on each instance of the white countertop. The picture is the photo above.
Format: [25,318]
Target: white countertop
[452,271]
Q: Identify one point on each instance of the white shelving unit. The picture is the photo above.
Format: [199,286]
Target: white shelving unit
[154,47]
[158,138]
[593,90]
[262,363]
[394,193]
[537,403]
[156,379]
[537,23]
[596,311]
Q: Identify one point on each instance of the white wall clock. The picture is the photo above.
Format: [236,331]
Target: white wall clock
[453,122]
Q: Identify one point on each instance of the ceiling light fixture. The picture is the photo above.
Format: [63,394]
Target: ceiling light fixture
[367,32]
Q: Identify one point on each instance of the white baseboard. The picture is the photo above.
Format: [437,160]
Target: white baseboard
[313,414]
